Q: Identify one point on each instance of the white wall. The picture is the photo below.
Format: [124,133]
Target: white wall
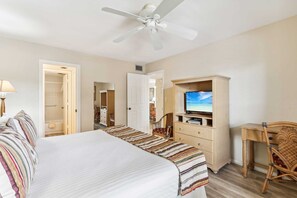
[262,65]
[19,63]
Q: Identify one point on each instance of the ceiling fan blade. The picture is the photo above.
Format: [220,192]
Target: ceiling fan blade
[129,34]
[165,7]
[180,31]
[156,40]
[121,13]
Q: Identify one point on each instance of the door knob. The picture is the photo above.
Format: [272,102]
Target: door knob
[129,108]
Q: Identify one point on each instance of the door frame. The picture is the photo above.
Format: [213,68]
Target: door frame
[160,72]
[41,93]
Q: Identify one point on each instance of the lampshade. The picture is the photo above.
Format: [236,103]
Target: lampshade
[6,86]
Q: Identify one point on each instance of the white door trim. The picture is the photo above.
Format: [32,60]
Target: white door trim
[157,72]
[41,95]
[161,72]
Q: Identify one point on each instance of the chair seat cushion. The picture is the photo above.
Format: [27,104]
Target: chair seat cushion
[160,130]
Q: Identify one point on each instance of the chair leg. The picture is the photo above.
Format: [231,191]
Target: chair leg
[268,177]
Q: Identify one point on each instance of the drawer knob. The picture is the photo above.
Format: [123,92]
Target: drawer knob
[198,132]
[179,129]
[198,144]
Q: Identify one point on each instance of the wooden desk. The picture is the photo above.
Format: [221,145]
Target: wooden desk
[252,133]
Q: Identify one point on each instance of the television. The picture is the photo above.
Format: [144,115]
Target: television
[198,102]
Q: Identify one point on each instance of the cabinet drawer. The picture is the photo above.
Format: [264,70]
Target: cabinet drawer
[103,111]
[202,144]
[102,117]
[196,131]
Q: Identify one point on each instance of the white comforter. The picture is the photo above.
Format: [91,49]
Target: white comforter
[95,164]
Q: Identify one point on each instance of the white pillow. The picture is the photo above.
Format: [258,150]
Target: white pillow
[15,125]
[4,119]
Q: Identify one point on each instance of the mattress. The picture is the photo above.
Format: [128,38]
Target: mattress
[95,164]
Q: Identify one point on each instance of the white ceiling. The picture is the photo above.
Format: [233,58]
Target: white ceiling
[80,25]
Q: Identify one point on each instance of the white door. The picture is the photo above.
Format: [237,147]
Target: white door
[66,104]
[69,100]
[138,102]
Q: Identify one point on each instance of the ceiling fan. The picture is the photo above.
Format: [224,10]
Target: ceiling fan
[151,19]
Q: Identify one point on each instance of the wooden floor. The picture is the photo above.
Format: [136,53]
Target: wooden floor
[229,182]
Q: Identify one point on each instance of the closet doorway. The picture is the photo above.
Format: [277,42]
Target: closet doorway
[60,100]
[104,105]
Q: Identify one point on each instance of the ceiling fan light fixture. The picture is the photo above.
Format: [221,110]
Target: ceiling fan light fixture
[157,17]
[154,30]
[161,25]
[151,19]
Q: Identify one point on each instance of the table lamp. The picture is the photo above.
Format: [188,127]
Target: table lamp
[5,87]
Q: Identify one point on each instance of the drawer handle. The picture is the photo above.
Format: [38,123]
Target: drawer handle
[198,144]
[199,132]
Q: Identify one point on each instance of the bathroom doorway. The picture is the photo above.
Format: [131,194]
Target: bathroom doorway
[60,109]
[104,105]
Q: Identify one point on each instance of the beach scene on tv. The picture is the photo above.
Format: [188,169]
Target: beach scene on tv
[199,101]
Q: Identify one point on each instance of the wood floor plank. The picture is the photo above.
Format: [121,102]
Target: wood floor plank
[229,183]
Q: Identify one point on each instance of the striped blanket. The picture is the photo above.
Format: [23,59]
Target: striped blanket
[189,161]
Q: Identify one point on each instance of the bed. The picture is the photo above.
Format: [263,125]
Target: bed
[96,164]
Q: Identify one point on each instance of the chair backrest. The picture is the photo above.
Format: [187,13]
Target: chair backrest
[282,136]
[169,120]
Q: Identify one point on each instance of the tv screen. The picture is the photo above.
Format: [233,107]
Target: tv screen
[198,101]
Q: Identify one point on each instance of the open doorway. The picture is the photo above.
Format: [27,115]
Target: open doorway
[60,100]
[156,95]
[104,105]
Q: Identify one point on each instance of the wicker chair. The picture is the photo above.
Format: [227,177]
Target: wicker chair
[167,131]
[281,139]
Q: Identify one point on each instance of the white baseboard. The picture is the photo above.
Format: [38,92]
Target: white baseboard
[236,162]
[261,170]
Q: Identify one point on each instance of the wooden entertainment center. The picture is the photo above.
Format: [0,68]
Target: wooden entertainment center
[211,135]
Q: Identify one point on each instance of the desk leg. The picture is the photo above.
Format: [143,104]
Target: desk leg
[244,161]
[251,158]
